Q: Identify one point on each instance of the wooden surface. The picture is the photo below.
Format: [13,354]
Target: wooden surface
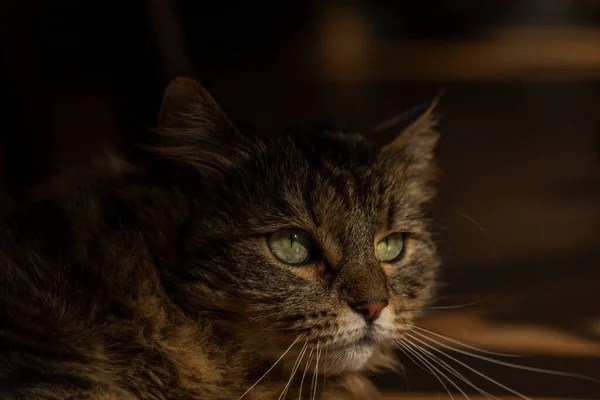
[566,339]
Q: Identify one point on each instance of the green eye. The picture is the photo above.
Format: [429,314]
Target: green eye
[390,248]
[291,246]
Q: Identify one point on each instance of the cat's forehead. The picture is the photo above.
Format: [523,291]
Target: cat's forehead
[331,181]
[325,183]
[349,150]
[341,164]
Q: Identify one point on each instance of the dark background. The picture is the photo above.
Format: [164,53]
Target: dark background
[519,213]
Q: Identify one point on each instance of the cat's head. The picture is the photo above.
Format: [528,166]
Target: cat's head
[315,238]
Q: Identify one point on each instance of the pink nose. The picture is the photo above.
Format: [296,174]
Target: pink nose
[370,310]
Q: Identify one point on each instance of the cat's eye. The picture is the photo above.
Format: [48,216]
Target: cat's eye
[291,246]
[390,248]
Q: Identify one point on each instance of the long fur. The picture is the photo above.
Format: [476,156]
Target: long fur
[153,279]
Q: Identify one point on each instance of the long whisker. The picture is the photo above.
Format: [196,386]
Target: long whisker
[325,366]
[510,365]
[269,370]
[431,368]
[404,375]
[310,357]
[468,218]
[463,344]
[316,373]
[509,389]
[424,368]
[451,369]
[471,304]
[294,369]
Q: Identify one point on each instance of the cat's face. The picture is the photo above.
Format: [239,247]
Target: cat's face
[318,239]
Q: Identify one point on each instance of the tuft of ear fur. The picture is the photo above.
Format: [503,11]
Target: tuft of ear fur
[193,129]
[413,133]
[411,151]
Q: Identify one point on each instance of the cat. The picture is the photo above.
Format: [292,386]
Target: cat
[226,265]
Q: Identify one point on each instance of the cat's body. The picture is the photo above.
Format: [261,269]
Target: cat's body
[160,281]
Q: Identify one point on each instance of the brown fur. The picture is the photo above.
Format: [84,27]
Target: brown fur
[153,279]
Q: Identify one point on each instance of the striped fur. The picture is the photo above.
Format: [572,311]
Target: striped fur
[154,281]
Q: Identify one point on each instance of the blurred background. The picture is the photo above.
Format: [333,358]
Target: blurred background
[519,212]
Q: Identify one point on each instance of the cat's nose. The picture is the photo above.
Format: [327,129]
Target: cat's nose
[370,309]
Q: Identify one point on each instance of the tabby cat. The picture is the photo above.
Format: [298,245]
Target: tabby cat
[226,265]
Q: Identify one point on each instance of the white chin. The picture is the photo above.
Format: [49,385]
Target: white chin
[352,359]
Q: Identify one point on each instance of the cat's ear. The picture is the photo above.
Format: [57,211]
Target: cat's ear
[185,102]
[409,147]
[193,129]
[413,134]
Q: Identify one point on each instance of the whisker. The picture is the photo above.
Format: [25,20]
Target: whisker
[511,365]
[509,389]
[310,356]
[316,373]
[477,225]
[294,369]
[471,304]
[269,370]
[468,218]
[325,366]
[461,343]
[452,370]
[405,375]
[431,368]
[429,371]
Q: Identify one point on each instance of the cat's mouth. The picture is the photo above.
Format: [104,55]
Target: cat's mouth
[367,339]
